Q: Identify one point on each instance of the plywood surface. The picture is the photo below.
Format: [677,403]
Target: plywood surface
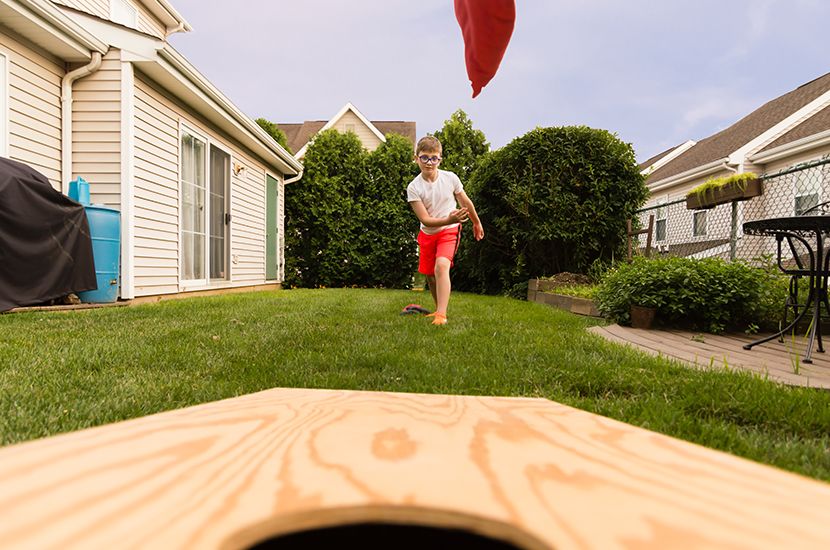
[529,471]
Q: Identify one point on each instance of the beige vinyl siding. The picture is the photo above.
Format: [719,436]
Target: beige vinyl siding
[804,156]
[34,112]
[367,137]
[248,222]
[155,193]
[156,196]
[100,8]
[96,131]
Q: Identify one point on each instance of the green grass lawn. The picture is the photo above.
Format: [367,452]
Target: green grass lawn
[67,371]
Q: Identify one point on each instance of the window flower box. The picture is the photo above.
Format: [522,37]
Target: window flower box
[739,187]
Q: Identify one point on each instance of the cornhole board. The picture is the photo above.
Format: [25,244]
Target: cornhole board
[527,472]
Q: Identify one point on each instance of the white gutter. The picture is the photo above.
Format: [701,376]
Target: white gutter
[48,18]
[694,173]
[295,178]
[173,30]
[792,148]
[66,115]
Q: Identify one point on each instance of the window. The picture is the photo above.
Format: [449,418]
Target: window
[4,109]
[808,184]
[699,223]
[123,13]
[661,217]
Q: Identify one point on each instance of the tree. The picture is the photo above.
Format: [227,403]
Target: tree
[463,146]
[274,131]
[347,220]
[553,200]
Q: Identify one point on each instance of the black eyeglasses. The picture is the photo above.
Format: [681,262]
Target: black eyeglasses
[426,160]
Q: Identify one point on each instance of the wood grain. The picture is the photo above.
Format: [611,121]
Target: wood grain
[528,471]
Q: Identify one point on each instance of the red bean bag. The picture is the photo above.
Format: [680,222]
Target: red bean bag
[486,26]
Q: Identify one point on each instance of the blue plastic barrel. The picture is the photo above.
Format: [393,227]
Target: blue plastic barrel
[105,229]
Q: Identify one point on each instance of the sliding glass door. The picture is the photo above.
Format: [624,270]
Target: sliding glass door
[204,216]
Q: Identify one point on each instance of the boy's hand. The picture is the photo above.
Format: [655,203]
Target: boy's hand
[478,231]
[459,215]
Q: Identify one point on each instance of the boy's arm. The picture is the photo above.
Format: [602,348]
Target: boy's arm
[456,216]
[467,204]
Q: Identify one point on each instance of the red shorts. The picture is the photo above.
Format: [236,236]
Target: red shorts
[443,244]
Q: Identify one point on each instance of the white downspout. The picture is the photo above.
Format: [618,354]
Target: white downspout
[66,115]
[295,178]
[726,166]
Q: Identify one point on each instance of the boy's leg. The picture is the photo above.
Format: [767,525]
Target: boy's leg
[427,248]
[447,246]
[442,285]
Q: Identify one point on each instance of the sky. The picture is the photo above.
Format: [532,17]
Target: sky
[655,73]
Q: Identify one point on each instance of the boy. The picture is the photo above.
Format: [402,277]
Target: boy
[432,196]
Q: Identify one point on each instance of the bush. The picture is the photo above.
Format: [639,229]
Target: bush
[553,200]
[709,294]
[347,220]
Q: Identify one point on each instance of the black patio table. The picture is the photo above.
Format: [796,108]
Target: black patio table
[810,231]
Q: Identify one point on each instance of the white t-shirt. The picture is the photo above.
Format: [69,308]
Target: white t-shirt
[438,196]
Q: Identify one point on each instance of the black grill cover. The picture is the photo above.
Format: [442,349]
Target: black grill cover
[45,245]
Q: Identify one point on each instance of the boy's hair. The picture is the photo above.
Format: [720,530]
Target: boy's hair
[428,143]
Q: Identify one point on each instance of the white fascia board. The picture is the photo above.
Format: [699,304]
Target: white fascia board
[196,91]
[134,45]
[45,24]
[167,14]
[676,152]
[793,148]
[740,155]
[688,175]
[333,120]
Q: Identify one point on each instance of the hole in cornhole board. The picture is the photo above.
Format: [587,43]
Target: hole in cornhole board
[376,536]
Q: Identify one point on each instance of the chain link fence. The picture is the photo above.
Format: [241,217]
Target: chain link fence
[717,232]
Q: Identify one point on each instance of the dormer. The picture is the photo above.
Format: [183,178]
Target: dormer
[154,17]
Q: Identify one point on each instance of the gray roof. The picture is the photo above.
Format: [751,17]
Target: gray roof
[817,123]
[645,164]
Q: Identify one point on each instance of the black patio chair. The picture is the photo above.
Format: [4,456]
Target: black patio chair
[799,271]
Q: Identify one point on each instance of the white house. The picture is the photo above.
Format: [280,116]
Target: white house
[92,88]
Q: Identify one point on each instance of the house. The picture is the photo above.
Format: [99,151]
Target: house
[348,119]
[786,132]
[92,88]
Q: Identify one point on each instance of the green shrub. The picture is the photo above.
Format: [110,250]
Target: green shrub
[709,294]
[347,220]
[553,200]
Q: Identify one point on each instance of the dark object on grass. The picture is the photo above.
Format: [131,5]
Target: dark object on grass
[45,245]
[413,309]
